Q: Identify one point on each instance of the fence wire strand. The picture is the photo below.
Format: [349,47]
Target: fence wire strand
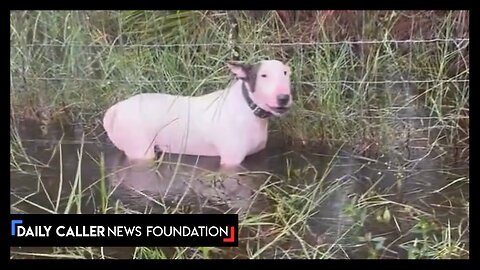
[219,81]
[457,41]
[461,43]
[276,44]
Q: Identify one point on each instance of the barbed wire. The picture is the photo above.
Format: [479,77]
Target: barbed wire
[276,44]
[221,81]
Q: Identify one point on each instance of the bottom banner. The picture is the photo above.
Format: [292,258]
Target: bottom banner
[166,230]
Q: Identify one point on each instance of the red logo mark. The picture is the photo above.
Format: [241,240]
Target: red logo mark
[231,239]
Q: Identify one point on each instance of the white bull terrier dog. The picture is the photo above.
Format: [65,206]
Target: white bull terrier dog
[230,123]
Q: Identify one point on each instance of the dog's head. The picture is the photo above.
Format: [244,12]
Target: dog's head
[268,83]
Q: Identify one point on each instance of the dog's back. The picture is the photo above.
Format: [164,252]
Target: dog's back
[138,123]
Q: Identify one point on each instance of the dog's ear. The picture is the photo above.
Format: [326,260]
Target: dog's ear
[240,70]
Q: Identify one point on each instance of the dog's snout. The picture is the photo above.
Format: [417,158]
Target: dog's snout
[283,99]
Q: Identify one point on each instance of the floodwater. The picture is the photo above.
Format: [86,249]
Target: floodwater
[410,174]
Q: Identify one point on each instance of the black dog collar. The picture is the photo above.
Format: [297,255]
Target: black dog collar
[257,111]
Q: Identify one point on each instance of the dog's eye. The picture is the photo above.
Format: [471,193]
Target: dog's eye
[264,75]
[285,72]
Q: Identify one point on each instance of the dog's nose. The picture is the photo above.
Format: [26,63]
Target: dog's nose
[283,99]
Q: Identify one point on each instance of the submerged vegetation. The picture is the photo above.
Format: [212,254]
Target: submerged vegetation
[391,86]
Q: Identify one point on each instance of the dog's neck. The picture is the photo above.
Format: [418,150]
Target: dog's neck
[257,111]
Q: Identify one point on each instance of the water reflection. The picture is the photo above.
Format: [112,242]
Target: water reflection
[326,180]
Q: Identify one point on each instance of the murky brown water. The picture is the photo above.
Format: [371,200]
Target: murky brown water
[152,189]
[412,178]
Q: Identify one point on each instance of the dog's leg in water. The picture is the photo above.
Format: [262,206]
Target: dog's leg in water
[232,163]
[140,150]
[232,169]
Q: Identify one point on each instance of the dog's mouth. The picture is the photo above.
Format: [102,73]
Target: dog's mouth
[279,110]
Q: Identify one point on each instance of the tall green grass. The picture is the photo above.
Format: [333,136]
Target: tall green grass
[349,70]
[86,61]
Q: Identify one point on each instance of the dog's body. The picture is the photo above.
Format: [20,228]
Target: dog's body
[221,123]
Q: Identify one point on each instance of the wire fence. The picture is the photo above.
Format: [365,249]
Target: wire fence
[397,108]
[136,81]
[460,78]
[460,43]
[456,41]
